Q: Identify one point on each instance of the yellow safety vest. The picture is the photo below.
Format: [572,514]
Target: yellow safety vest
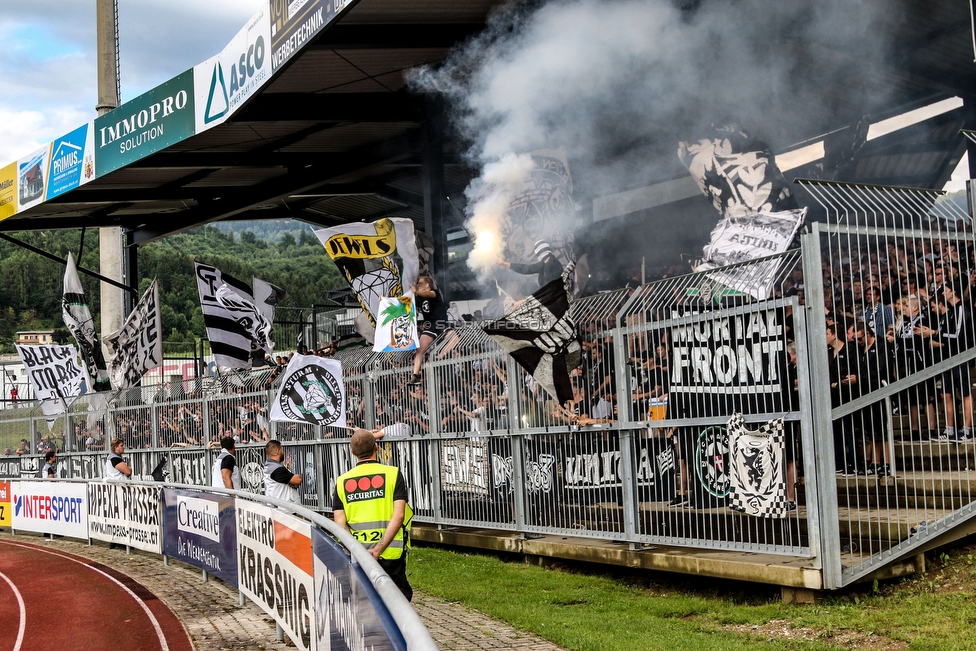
[366,493]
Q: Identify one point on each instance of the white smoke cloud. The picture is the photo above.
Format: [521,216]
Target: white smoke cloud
[619,83]
[488,202]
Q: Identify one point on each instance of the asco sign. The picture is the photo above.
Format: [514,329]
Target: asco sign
[50,507]
[222,83]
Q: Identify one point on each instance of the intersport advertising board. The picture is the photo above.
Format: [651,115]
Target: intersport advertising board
[51,507]
[223,82]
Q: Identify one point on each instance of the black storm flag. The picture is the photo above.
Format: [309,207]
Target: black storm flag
[541,336]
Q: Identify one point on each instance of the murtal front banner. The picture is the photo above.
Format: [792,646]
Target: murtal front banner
[223,82]
[149,123]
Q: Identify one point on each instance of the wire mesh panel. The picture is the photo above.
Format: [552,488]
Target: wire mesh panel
[573,482]
[700,349]
[414,459]
[469,383]
[396,407]
[134,426]
[898,267]
[469,493]
[180,423]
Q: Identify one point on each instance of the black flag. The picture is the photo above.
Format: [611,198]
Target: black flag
[541,336]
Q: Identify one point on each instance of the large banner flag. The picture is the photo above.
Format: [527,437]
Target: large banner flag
[741,239]
[737,172]
[78,319]
[248,315]
[137,347]
[55,375]
[541,336]
[378,259]
[397,328]
[311,392]
[230,341]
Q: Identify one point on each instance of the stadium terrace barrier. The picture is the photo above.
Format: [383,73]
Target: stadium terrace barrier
[850,471]
[305,572]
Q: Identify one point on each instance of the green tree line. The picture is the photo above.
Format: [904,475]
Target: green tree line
[31,285]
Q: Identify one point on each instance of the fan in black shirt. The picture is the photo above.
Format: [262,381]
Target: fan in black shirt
[434,308]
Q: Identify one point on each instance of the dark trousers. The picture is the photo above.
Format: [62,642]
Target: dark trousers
[397,569]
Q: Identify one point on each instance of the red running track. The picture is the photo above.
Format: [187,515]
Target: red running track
[53,601]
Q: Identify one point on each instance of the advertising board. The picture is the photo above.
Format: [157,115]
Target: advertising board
[72,161]
[275,568]
[51,507]
[199,529]
[126,514]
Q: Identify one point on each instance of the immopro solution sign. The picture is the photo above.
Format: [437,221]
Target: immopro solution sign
[142,126]
[223,82]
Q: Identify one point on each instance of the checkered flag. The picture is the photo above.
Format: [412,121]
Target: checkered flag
[757,468]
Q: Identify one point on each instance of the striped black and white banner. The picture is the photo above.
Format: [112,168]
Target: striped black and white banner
[229,340]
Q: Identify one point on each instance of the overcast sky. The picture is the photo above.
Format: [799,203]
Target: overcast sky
[48,58]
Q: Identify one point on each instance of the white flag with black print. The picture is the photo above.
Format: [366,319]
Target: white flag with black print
[757,477]
[78,319]
[55,375]
[311,392]
[229,340]
[540,335]
[137,347]
[248,315]
[266,296]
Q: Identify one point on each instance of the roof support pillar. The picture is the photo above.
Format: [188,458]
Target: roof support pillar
[130,272]
[969,105]
[432,159]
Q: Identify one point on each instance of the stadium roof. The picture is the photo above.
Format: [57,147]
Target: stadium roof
[310,118]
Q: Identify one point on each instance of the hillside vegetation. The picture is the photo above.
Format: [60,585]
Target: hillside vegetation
[30,294]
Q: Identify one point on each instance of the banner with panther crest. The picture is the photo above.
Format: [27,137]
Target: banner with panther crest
[757,469]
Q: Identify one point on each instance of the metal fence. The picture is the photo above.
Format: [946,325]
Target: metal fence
[860,457]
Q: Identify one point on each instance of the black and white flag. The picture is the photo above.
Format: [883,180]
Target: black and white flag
[78,319]
[248,315]
[229,339]
[311,392]
[757,478]
[137,347]
[55,375]
[266,296]
[541,336]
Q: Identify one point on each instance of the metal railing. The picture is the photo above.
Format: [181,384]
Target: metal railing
[643,452]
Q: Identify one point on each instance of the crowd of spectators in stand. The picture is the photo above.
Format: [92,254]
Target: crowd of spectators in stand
[893,311]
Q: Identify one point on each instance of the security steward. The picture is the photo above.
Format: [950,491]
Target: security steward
[371,503]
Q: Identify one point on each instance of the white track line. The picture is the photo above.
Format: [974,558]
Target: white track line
[23,612]
[159,630]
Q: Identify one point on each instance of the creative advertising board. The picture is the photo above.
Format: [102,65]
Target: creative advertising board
[350,614]
[50,507]
[126,514]
[275,568]
[156,119]
[200,530]
[5,517]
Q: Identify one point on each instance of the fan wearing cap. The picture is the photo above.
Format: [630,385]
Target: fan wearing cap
[547,266]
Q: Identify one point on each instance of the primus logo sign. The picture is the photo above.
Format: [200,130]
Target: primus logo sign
[201,517]
[151,122]
[223,82]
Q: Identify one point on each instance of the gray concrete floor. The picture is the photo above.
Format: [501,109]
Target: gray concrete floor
[211,614]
